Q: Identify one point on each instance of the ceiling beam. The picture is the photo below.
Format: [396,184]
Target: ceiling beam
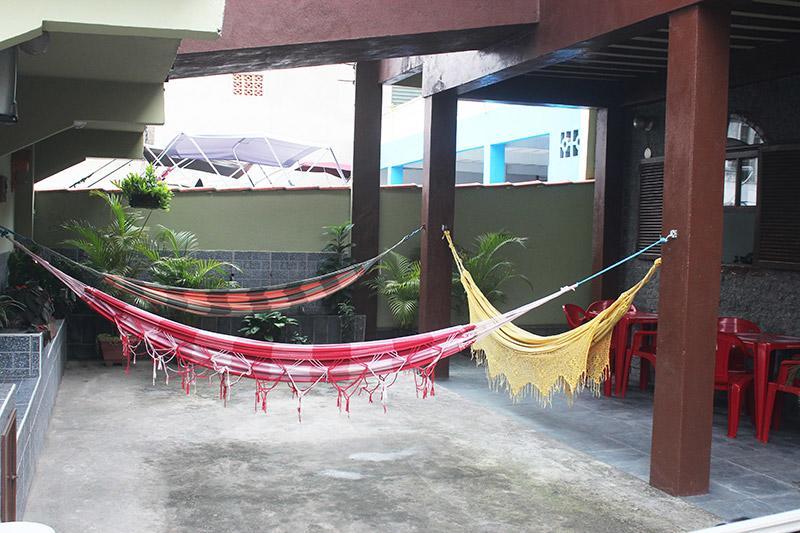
[538,90]
[51,105]
[560,35]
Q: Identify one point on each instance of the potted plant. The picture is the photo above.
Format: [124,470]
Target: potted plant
[110,347]
[148,191]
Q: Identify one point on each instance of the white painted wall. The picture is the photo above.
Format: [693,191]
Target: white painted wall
[312,105]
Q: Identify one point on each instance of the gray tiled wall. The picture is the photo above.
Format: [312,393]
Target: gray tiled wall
[19,355]
[258,269]
[36,383]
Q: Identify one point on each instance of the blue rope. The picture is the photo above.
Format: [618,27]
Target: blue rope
[673,234]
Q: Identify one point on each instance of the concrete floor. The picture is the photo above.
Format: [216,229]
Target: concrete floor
[124,455]
[748,479]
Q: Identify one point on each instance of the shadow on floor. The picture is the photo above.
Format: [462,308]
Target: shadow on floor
[747,478]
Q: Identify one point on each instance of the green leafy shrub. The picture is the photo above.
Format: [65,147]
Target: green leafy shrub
[273,327]
[173,263]
[116,247]
[340,247]
[398,276]
[146,190]
[398,282]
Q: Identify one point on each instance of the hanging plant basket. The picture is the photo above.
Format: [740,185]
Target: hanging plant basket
[146,191]
[144,201]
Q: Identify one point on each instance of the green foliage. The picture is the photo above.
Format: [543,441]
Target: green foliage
[23,270]
[173,263]
[398,281]
[115,248]
[272,326]
[347,316]
[146,191]
[340,247]
[487,268]
[8,306]
[32,306]
[398,276]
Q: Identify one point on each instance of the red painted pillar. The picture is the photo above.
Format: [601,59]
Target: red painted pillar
[696,121]
[438,202]
[365,198]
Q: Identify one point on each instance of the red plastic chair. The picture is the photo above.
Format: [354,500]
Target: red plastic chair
[732,324]
[729,375]
[643,346]
[575,315]
[602,305]
[781,384]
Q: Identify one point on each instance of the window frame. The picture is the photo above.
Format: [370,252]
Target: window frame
[739,154]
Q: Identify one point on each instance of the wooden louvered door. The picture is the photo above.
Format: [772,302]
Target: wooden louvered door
[778,235]
[651,204]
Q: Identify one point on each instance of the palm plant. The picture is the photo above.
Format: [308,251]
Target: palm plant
[340,247]
[489,271]
[398,281]
[398,276]
[173,262]
[114,248]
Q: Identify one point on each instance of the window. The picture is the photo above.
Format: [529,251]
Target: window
[402,94]
[741,165]
[760,195]
[248,84]
[741,180]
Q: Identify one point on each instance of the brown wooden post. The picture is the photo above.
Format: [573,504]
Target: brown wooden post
[366,182]
[8,467]
[438,203]
[608,191]
[22,186]
[696,121]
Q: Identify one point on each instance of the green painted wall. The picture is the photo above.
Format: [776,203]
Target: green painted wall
[555,218]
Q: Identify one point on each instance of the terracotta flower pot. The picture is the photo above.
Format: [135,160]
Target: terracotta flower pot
[111,351]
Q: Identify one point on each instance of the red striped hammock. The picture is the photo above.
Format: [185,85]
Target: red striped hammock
[362,367]
[244,301]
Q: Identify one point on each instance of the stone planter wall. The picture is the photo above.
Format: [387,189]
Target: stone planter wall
[34,370]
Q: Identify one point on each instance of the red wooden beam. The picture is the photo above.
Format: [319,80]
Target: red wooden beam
[365,207]
[696,122]
[261,34]
[566,29]
[438,203]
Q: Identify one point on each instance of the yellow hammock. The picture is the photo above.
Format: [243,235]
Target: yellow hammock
[528,364]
